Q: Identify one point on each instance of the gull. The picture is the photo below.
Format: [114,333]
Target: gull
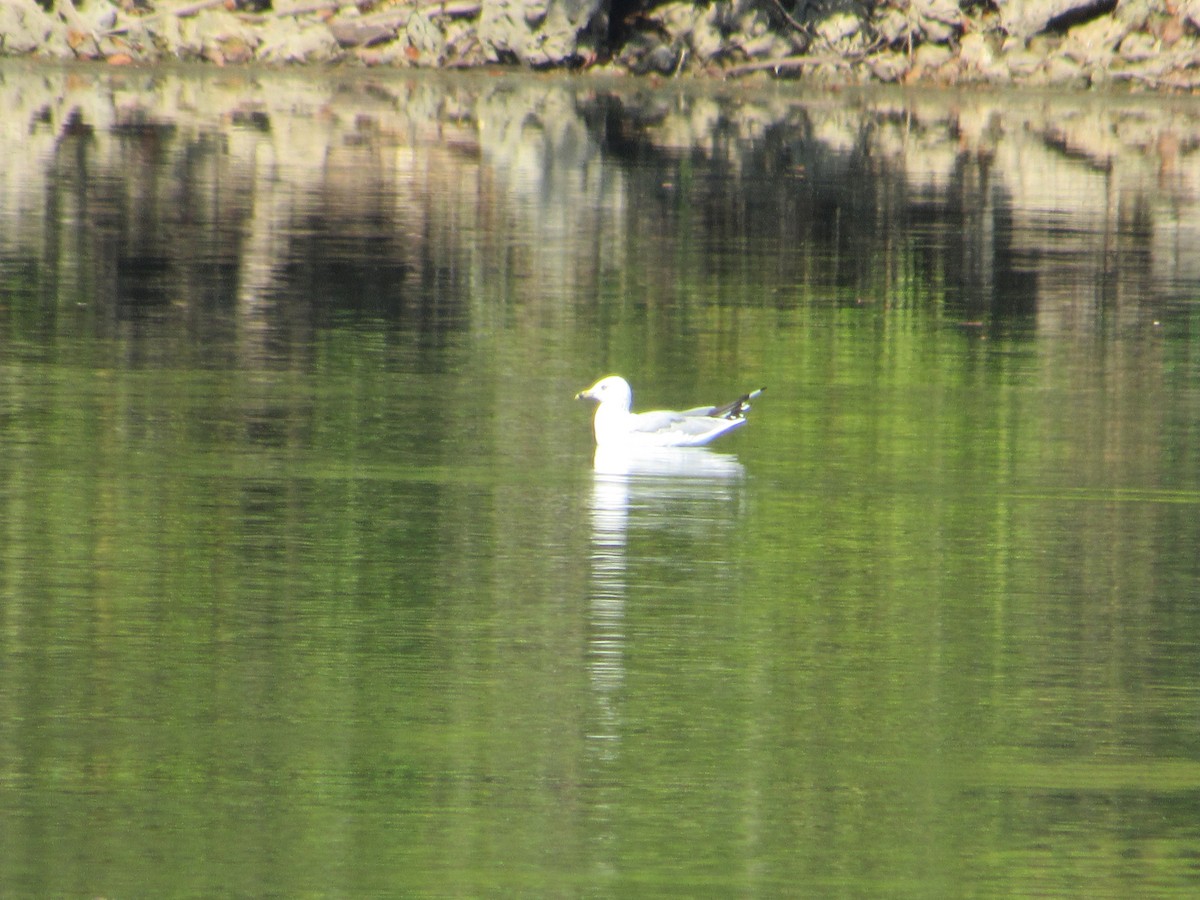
[615,426]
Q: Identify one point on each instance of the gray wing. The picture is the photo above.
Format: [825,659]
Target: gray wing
[673,429]
[690,422]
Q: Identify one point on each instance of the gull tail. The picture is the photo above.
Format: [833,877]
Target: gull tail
[738,408]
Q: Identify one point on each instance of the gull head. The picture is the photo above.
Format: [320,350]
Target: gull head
[613,391]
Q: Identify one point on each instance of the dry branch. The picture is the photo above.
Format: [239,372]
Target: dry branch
[787,62]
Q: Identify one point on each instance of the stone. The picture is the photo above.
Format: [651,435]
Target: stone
[940,20]
[100,15]
[974,50]
[352,33]
[1096,41]
[838,29]
[26,28]
[535,12]
[700,27]
[895,28]
[1064,72]
[426,42]
[889,66]
[1024,18]
[707,37]
[947,12]
[765,46]
[299,42]
[1138,47]
[680,21]
[979,58]
[937,32]
[1190,10]
[1137,14]
[551,37]
[1022,63]
[930,57]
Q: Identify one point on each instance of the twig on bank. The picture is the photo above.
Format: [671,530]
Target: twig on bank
[787,17]
[179,12]
[800,62]
[318,7]
[191,9]
[787,62]
[452,8]
[1174,81]
[76,21]
[398,18]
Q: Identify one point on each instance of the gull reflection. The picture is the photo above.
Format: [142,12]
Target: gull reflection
[657,487]
[669,463]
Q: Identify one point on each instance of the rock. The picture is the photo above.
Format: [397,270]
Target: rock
[1138,13]
[164,34]
[1190,10]
[661,59]
[896,28]
[1138,47]
[643,52]
[888,67]
[232,50]
[100,15]
[703,28]
[974,50]
[839,30]
[1022,63]
[350,33]
[426,42]
[194,32]
[931,57]
[937,32]
[1094,43]
[539,34]
[1064,72]
[1024,18]
[1171,31]
[462,47]
[708,33]
[979,58]
[200,36]
[1098,76]
[751,22]
[292,42]
[940,20]
[26,28]
[765,46]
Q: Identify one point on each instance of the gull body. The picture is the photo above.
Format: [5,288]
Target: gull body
[615,425]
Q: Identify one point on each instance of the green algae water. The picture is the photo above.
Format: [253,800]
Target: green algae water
[310,584]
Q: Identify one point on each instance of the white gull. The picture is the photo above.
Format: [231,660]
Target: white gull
[615,426]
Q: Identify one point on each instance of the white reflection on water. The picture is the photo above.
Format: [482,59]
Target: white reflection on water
[660,487]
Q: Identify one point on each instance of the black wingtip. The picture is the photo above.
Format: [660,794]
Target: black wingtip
[738,408]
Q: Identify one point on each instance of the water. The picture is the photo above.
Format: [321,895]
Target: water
[309,583]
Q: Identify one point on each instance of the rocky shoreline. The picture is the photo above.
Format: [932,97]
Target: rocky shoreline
[1151,44]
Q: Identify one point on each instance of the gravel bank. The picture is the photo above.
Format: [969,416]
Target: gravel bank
[1145,43]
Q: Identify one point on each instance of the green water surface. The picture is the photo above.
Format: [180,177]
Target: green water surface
[308,586]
